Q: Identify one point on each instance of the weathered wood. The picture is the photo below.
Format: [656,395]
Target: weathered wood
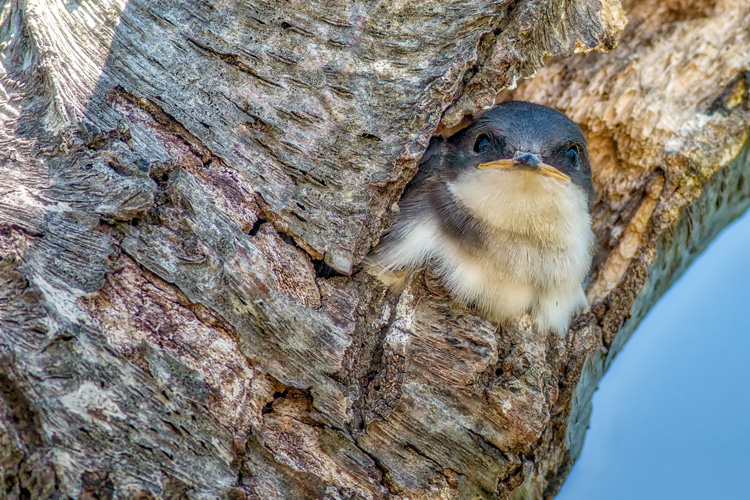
[188,186]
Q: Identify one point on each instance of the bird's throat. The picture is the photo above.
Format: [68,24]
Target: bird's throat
[522,202]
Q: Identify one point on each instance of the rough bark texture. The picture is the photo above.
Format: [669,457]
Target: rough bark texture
[187,187]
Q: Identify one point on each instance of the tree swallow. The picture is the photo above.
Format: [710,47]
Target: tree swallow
[501,209]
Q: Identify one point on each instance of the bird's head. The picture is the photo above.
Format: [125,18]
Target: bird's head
[520,136]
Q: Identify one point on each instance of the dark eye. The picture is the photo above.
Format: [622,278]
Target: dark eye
[573,156]
[482,144]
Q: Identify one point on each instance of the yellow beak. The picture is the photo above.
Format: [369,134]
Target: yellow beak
[542,168]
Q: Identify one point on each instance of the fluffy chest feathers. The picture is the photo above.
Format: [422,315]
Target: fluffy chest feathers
[535,252]
[543,211]
[534,249]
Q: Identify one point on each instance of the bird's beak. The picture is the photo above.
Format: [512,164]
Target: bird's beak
[526,161]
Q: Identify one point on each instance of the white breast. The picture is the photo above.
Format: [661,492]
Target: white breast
[539,248]
[536,255]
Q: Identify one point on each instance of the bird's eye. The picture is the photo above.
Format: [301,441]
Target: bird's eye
[573,156]
[482,144]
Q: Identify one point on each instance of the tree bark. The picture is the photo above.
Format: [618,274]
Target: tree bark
[188,187]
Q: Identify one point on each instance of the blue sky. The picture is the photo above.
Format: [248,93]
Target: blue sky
[671,417]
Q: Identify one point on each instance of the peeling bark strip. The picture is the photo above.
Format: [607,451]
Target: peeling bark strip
[187,187]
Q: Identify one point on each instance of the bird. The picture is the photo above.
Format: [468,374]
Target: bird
[501,210]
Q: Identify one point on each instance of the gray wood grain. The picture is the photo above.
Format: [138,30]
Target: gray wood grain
[186,189]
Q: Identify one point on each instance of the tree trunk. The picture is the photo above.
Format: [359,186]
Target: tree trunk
[187,188]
